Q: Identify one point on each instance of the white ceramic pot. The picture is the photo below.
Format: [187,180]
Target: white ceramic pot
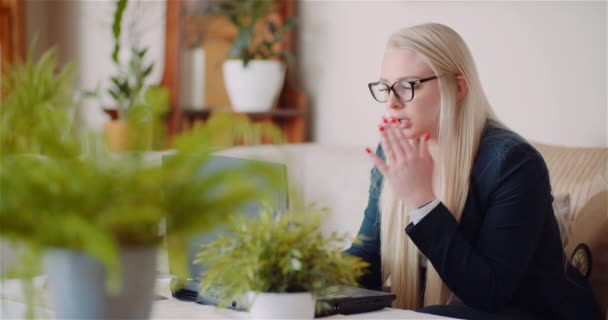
[192,79]
[77,285]
[268,305]
[256,87]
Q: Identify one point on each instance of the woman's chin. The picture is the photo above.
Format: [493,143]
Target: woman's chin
[411,133]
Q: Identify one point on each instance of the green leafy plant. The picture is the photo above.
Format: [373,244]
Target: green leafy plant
[282,253]
[128,86]
[99,203]
[37,111]
[251,41]
[58,192]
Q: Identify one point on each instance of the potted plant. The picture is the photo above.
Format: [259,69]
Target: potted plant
[128,86]
[279,263]
[254,72]
[93,217]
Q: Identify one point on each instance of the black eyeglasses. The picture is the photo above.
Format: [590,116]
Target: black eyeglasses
[403,89]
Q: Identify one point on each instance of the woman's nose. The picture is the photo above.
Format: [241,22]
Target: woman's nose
[393,101]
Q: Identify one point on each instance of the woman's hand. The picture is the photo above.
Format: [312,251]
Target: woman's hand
[408,170]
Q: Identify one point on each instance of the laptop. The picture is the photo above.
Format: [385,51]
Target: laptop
[349,300]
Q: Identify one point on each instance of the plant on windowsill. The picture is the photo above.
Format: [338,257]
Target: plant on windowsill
[278,263]
[92,216]
[255,70]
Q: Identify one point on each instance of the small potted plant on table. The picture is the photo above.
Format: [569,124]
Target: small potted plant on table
[278,263]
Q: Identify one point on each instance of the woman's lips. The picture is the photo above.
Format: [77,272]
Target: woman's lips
[405,123]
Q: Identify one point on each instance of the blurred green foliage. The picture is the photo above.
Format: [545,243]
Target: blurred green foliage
[64,189]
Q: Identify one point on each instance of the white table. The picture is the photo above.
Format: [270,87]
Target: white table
[175,309]
[12,306]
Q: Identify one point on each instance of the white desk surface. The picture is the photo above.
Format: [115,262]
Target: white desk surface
[12,306]
[175,309]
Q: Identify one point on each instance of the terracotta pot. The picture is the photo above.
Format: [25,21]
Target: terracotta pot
[117,135]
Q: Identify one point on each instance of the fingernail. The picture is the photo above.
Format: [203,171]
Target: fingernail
[393,119]
[368,150]
[381,128]
[384,120]
[427,136]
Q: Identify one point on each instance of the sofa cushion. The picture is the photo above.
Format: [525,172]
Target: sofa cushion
[589,231]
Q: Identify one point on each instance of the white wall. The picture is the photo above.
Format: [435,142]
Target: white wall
[543,64]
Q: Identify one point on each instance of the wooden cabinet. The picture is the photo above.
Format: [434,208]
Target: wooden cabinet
[12,31]
[291,112]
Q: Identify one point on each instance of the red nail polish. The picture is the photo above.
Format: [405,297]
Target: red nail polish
[427,136]
[368,150]
[393,119]
[381,128]
[384,120]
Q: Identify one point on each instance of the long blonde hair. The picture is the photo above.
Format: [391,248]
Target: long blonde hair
[460,127]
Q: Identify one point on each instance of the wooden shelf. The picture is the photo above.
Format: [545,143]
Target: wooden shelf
[12,33]
[204,113]
[290,120]
[278,113]
[292,116]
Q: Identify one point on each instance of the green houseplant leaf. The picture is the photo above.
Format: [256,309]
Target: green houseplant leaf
[246,15]
[121,5]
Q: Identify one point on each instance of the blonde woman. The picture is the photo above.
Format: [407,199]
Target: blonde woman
[452,185]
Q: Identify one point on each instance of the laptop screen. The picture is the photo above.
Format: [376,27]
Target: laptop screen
[250,210]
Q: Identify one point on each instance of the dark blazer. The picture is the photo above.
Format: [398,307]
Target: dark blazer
[506,251]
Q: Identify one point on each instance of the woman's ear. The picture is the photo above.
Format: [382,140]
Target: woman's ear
[462,87]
